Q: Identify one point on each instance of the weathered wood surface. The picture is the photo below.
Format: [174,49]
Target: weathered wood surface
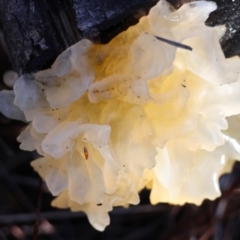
[228,13]
[36,32]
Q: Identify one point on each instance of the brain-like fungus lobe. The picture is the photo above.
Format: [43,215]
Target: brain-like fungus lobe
[110,120]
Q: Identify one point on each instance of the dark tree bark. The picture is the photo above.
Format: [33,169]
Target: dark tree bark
[228,13]
[36,32]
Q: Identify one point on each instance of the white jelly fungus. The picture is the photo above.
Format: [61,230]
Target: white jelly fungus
[112,119]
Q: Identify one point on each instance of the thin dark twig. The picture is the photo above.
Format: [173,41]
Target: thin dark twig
[36,226]
[16,190]
[173,43]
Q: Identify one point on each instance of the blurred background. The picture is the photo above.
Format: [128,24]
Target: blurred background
[25,211]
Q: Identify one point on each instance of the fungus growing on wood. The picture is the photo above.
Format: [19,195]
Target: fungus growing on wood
[142,112]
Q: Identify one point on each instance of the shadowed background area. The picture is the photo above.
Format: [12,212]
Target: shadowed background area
[35,32]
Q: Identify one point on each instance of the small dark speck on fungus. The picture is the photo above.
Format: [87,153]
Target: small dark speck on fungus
[85,151]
